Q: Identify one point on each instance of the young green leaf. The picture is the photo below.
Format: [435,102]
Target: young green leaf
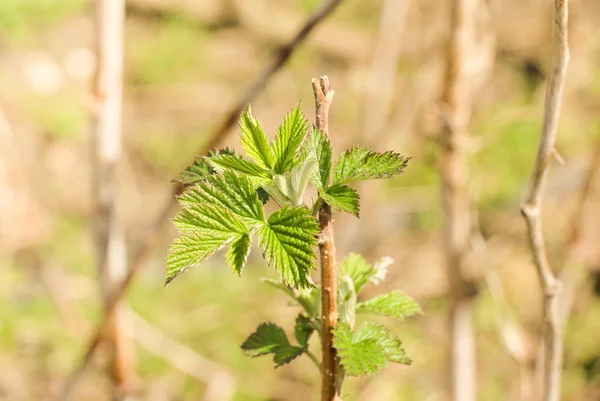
[303,329]
[271,339]
[200,168]
[299,177]
[288,139]
[355,266]
[239,165]
[317,146]
[359,357]
[238,252]
[206,229]
[197,171]
[395,303]
[230,191]
[280,189]
[363,273]
[380,270]
[389,343]
[189,250]
[360,163]
[254,141]
[343,198]
[347,301]
[287,242]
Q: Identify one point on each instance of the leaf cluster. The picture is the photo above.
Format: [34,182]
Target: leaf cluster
[362,351]
[223,206]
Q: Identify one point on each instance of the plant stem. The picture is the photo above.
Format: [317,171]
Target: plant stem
[153,232]
[531,208]
[313,358]
[331,373]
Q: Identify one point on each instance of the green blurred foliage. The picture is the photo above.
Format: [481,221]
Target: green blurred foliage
[20,18]
[169,53]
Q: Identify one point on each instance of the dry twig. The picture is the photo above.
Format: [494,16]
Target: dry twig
[456,99]
[106,130]
[531,208]
[153,232]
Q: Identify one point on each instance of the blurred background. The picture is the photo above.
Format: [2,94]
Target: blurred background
[187,63]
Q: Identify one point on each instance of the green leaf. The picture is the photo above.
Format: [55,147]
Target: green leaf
[289,190]
[360,163]
[197,171]
[380,270]
[318,147]
[358,356]
[355,266]
[230,191]
[343,198]
[218,211]
[263,196]
[303,329]
[200,168]
[363,273]
[208,220]
[240,165]
[395,303]
[189,250]
[287,242]
[347,301]
[205,230]
[280,189]
[322,149]
[271,339]
[254,141]
[238,253]
[299,177]
[389,343]
[288,139]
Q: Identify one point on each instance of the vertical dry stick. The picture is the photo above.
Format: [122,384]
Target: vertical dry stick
[454,176]
[112,257]
[331,374]
[531,208]
[152,233]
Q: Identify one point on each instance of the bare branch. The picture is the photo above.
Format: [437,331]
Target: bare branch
[466,58]
[531,208]
[152,233]
[106,129]
[331,374]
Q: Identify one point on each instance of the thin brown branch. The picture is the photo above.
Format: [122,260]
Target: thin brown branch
[153,232]
[531,208]
[457,103]
[331,374]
